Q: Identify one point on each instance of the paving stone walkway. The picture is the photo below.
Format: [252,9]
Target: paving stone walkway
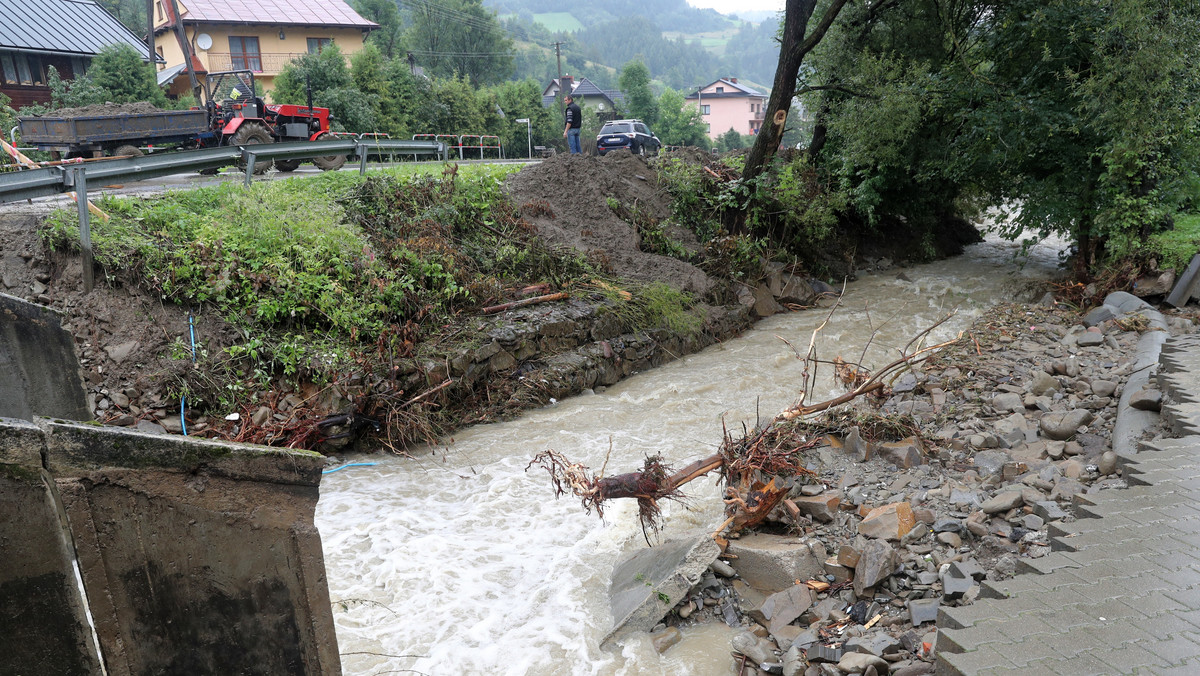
[1120,593]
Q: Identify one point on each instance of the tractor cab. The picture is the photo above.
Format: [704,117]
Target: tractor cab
[232,94]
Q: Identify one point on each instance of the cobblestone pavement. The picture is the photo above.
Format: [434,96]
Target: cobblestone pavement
[1120,593]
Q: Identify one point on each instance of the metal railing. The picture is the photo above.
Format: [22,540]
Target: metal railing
[30,183]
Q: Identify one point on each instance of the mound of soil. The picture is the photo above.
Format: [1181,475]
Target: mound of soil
[577,189]
[106,109]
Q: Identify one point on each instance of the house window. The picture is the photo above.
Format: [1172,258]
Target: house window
[705,109]
[315,45]
[158,11]
[9,68]
[720,90]
[244,54]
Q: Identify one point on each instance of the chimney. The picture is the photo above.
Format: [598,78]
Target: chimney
[733,80]
[567,85]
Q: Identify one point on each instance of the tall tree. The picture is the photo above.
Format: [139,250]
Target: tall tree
[459,37]
[635,82]
[680,124]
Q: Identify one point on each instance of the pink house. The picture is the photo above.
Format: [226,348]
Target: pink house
[726,105]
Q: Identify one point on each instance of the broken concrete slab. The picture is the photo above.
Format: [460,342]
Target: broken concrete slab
[774,562]
[39,370]
[647,583]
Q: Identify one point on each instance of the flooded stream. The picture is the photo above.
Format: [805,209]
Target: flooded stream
[457,561]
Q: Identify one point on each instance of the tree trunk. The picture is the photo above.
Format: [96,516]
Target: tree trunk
[792,50]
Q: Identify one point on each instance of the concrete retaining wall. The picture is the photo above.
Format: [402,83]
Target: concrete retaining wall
[39,372]
[197,557]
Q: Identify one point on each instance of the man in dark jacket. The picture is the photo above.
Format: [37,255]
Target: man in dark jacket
[574,122]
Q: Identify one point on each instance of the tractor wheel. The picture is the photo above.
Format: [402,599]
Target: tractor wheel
[127,150]
[287,165]
[249,134]
[328,162]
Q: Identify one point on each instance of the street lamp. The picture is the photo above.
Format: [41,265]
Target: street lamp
[528,134]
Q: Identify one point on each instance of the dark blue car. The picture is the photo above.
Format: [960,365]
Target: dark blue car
[632,135]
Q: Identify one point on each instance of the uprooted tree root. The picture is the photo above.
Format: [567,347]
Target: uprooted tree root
[757,469]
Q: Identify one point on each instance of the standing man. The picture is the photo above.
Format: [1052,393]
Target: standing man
[574,122]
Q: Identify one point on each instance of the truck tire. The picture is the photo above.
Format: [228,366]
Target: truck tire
[328,162]
[249,134]
[287,165]
[127,150]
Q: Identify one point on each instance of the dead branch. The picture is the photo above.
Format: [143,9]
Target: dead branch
[493,309]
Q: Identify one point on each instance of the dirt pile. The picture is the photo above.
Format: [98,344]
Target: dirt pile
[577,190]
[106,109]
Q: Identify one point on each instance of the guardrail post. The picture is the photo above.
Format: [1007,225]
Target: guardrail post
[79,177]
[362,158]
[250,162]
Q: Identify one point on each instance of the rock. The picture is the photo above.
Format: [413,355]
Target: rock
[951,540]
[990,463]
[119,400]
[723,569]
[824,654]
[848,556]
[1042,383]
[1002,502]
[947,525]
[118,353]
[1154,285]
[765,304]
[1008,401]
[857,663]
[782,607]
[172,424]
[1146,399]
[751,646]
[923,610]
[876,643]
[954,586]
[1049,510]
[918,669]
[796,290]
[774,562]
[261,416]
[151,427]
[1098,315]
[647,583]
[857,448]
[1033,522]
[889,522]
[878,561]
[904,454]
[1107,464]
[664,639]
[1090,339]
[823,508]
[1055,449]
[1062,425]
[1103,388]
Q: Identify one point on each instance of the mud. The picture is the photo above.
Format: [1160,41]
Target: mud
[105,109]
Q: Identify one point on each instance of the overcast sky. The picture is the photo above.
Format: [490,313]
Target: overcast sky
[734,6]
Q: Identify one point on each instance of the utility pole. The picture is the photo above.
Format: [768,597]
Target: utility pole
[558,56]
[150,34]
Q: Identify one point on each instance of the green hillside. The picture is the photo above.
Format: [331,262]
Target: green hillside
[558,22]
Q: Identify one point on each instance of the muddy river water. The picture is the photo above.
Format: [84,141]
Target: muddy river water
[457,561]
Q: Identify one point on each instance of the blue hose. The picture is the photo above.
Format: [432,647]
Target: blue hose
[183,399]
[349,464]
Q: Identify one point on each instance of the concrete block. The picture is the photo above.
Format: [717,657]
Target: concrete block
[39,370]
[774,562]
[647,583]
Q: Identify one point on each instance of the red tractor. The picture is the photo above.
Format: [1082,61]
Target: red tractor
[239,117]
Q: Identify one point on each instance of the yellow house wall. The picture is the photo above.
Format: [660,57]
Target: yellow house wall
[273,51]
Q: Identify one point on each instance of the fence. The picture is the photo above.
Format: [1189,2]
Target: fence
[464,142]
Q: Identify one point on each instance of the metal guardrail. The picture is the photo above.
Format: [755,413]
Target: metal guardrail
[29,183]
[20,185]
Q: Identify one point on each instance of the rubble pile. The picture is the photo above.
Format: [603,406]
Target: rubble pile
[847,575]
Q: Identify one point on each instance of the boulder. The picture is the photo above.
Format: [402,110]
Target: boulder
[905,453]
[764,302]
[889,522]
[1042,383]
[822,507]
[1146,399]
[773,562]
[781,608]
[1062,425]
[647,583]
[857,663]
[878,561]
[1002,502]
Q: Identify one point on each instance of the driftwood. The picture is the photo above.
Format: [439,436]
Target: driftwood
[752,467]
[493,309]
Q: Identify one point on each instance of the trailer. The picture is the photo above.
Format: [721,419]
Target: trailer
[99,135]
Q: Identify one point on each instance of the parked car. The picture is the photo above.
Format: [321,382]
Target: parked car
[629,134]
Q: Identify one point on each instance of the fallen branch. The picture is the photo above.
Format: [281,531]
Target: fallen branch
[493,309]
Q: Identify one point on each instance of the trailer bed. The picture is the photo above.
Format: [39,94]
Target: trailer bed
[144,127]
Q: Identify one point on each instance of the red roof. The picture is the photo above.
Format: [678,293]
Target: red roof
[275,12]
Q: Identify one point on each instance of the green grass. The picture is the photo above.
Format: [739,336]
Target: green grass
[558,21]
[1176,247]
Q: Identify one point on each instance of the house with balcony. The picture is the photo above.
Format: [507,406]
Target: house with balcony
[261,36]
[726,105]
[66,34]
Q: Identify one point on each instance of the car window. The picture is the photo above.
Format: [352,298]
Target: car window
[615,128]
[642,128]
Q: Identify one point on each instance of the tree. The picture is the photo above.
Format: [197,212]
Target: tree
[680,124]
[332,86]
[460,37]
[635,83]
[730,140]
[125,78]
[386,13]
[795,43]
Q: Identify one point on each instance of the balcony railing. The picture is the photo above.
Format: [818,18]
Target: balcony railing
[267,63]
